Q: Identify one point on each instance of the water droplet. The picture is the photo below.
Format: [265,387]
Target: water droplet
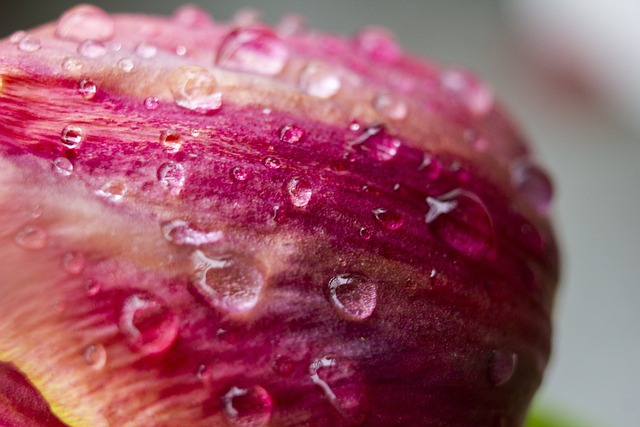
[472,93]
[365,233]
[253,49]
[290,25]
[181,50]
[73,262]
[95,356]
[279,214]
[71,136]
[353,296]
[239,174]
[341,385]
[318,79]
[231,284]
[502,365]
[85,22]
[29,44]
[284,365]
[92,49]
[377,143]
[533,184]
[113,190]
[388,219]
[192,16]
[171,176]
[72,65]
[379,44]
[390,106]
[92,287]
[196,89]
[87,89]
[272,163]
[146,51]
[299,191]
[461,220]
[126,64]
[149,325]
[32,237]
[171,140]
[180,232]
[431,166]
[17,36]
[151,103]
[247,407]
[291,134]
[63,166]
[195,132]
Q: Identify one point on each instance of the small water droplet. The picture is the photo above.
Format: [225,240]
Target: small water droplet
[85,22]
[180,232]
[17,36]
[390,106]
[228,283]
[171,176]
[126,65]
[472,93]
[533,184]
[171,140]
[29,44]
[341,385]
[32,237]
[379,44]
[146,50]
[272,163]
[71,136]
[113,190]
[365,233]
[388,219]
[196,89]
[300,191]
[151,103]
[63,166]
[195,132]
[279,214]
[291,134]
[377,143]
[87,89]
[73,65]
[92,287]
[461,220]
[239,174]
[181,50]
[92,49]
[95,356]
[284,365]
[253,49]
[149,325]
[73,262]
[247,407]
[502,365]
[353,296]
[318,79]
[431,166]
[192,16]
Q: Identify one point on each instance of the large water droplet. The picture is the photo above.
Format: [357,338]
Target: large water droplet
[253,49]
[534,185]
[95,356]
[502,365]
[29,44]
[389,219]
[319,80]
[171,140]
[379,44]
[195,88]
[71,136]
[87,89]
[291,134]
[63,166]
[180,232]
[300,191]
[148,324]
[171,176]
[353,296]
[340,384]
[390,106]
[247,407]
[472,93]
[92,49]
[228,283]
[146,50]
[461,220]
[32,237]
[377,143]
[73,262]
[113,190]
[126,65]
[85,22]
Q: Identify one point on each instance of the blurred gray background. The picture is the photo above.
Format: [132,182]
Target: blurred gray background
[595,372]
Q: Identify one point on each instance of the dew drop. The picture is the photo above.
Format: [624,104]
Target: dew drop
[171,176]
[340,384]
[461,220]
[317,79]
[63,166]
[290,25]
[376,142]
[85,22]
[72,65]
[228,283]
[87,89]
[73,262]
[379,44]
[92,49]
[95,356]
[247,407]
[29,44]
[472,93]
[192,16]
[32,237]
[272,163]
[365,233]
[180,232]
[533,184]
[502,365]
[171,140]
[239,174]
[253,49]
[388,219]
[195,132]
[284,366]
[71,136]
[181,50]
[148,324]
[17,36]
[300,191]
[196,89]
[113,190]
[390,106]
[146,51]
[431,166]
[279,215]
[126,65]
[291,134]
[151,103]
[353,296]
[92,287]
